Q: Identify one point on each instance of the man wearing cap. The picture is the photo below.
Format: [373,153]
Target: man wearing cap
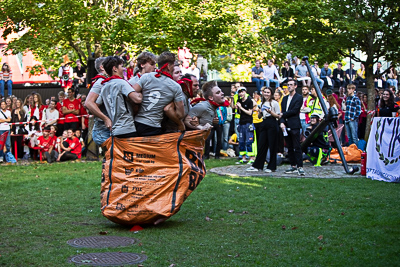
[244,106]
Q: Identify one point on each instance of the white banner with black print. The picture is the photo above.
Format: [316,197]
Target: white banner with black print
[383,150]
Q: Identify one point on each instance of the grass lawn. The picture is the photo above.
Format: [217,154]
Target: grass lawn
[226,221]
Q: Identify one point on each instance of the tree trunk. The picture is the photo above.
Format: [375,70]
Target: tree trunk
[92,149]
[369,74]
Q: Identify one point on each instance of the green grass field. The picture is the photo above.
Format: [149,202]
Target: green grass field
[226,221]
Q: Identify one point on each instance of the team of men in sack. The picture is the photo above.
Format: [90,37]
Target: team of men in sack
[154,101]
[157,101]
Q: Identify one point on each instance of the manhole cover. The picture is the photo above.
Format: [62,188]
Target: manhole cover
[108,258]
[102,242]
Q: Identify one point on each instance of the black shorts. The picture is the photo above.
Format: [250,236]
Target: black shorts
[146,130]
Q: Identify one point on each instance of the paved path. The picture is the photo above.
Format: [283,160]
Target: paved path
[330,171]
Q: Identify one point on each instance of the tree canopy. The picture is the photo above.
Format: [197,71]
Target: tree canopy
[78,28]
[327,30]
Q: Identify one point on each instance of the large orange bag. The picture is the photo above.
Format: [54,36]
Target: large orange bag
[148,178]
[351,153]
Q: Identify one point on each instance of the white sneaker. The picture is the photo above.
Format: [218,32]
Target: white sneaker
[267,170]
[1,160]
[252,169]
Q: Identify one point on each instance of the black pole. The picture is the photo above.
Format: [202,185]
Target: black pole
[327,118]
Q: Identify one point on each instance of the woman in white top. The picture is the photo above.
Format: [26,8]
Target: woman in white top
[268,132]
[5,118]
[51,115]
[34,131]
[28,103]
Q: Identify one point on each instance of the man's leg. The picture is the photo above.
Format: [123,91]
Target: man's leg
[348,131]
[2,87]
[298,153]
[276,82]
[267,82]
[258,83]
[9,87]
[218,131]
[237,127]
[249,140]
[354,131]
[320,83]
[225,135]
[303,126]
[207,145]
[242,141]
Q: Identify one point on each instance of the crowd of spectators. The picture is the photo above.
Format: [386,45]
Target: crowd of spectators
[252,127]
[53,132]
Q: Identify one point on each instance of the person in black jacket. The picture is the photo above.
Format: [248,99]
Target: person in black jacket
[287,72]
[290,124]
[339,76]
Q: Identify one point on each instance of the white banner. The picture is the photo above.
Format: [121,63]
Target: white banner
[383,150]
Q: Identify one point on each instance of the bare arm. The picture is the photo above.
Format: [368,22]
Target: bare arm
[170,111]
[190,125]
[247,111]
[94,109]
[136,96]
[180,109]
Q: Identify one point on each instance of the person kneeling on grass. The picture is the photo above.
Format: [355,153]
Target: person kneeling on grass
[319,149]
[47,144]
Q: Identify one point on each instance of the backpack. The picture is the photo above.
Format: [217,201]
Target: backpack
[222,115]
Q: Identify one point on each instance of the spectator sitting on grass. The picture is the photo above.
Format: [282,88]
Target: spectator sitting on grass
[61,143]
[46,144]
[74,149]
[78,134]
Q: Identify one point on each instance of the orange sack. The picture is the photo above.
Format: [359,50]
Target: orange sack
[148,178]
[351,153]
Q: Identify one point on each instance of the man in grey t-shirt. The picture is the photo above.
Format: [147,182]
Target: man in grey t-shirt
[301,74]
[155,91]
[205,111]
[115,95]
[102,124]
[146,63]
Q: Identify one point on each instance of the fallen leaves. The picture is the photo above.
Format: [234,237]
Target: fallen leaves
[320,237]
[103,232]
[283,227]
[208,219]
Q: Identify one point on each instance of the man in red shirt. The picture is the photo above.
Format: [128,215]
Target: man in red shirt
[71,108]
[61,120]
[46,144]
